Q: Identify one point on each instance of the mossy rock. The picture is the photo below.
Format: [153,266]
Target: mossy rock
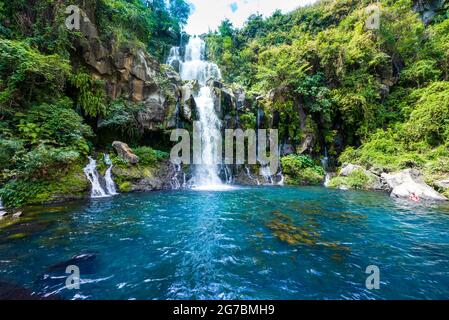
[70,185]
[125,187]
[358,179]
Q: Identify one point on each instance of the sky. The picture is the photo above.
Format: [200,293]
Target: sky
[208,14]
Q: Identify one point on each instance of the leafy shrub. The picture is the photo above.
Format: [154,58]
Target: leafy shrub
[123,117]
[44,161]
[55,124]
[430,119]
[149,156]
[29,75]
[300,169]
[8,148]
[19,192]
[125,187]
[91,96]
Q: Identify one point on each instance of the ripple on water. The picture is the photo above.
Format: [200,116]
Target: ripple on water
[259,243]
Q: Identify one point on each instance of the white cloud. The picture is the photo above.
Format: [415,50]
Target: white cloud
[208,14]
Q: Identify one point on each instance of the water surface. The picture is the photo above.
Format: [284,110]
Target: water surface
[244,243]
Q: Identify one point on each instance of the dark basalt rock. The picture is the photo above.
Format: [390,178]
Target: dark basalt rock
[131,73]
[84,261]
[10,291]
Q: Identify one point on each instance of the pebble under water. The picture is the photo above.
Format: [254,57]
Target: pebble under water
[244,243]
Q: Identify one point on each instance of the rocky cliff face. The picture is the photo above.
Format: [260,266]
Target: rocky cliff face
[129,72]
[428,9]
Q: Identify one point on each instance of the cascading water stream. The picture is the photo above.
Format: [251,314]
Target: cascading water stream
[94,177]
[325,164]
[194,67]
[110,185]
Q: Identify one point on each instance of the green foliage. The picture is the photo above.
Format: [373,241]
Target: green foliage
[355,180]
[28,76]
[429,121]
[247,120]
[125,187]
[70,183]
[91,94]
[43,161]
[123,117]
[149,156]
[54,124]
[300,169]
[154,23]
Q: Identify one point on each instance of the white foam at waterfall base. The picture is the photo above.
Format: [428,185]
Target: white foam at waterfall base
[195,67]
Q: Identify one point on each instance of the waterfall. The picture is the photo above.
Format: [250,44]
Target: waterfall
[1,203]
[327,179]
[110,185]
[266,173]
[174,58]
[325,160]
[94,177]
[175,182]
[325,164]
[196,68]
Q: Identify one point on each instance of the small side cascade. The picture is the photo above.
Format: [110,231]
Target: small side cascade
[266,173]
[110,185]
[174,58]
[94,178]
[325,164]
[229,179]
[1,204]
[327,179]
[178,181]
[248,173]
[282,179]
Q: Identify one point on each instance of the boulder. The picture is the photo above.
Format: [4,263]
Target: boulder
[409,181]
[188,102]
[374,181]
[349,168]
[3,214]
[306,144]
[125,152]
[17,215]
[443,184]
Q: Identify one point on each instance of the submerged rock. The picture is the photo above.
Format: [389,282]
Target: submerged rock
[83,261]
[409,181]
[10,291]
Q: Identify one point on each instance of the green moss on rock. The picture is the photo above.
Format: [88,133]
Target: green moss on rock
[357,179]
[70,185]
